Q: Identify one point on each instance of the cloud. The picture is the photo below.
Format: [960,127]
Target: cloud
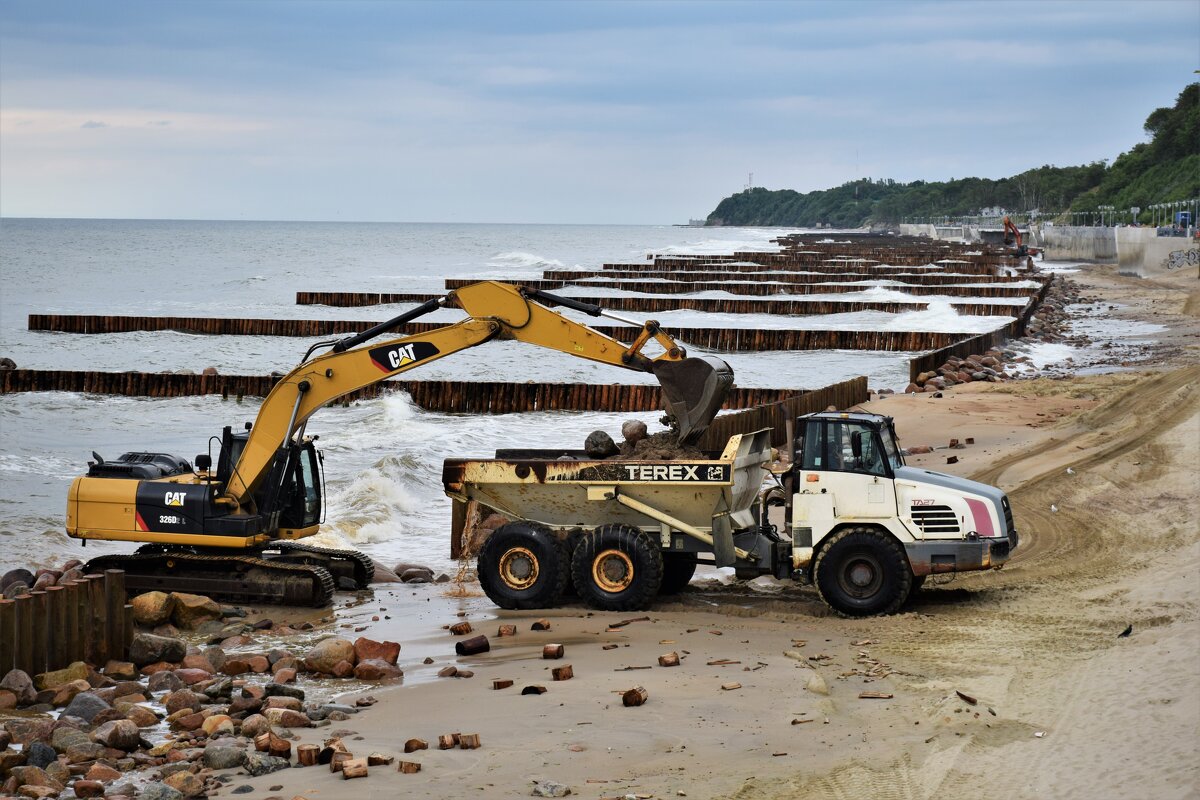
[91,123]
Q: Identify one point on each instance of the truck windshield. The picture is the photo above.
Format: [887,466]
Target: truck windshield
[890,451]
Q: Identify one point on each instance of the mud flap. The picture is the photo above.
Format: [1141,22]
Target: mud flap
[723,550]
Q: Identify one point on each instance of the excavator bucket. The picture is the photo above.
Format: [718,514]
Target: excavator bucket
[695,388]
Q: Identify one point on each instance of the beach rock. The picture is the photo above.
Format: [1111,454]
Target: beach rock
[264,763]
[193,609]
[8,700]
[7,363]
[550,789]
[18,575]
[152,608]
[343,669]
[121,670]
[911,388]
[255,724]
[159,791]
[216,724]
[164,681]
[10,759]
[88,788]
[181,699]
[326,654]
[120,734]
[40,754]
[383,574]
[258,664]
[215,656]
[277,690]
[102,773]
[77,671]
[600,445]
[287,718]
[191,677]
[186,783]
[34,776]
[64,738]
[219,755]
[16,589]
[86,706]
[365,648]
[283,702]
[235,666]
[417,576]
[21,685]
[198,661]
[67,692]
[141,716]
[285,675]
[220,687]
[376,669]
[43,582]
[146,648]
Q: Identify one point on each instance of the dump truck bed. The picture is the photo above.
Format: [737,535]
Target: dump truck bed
[564,489]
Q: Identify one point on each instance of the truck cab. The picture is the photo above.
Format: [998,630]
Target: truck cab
[867,529]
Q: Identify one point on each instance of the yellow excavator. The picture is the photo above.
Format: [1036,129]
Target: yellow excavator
[233,532]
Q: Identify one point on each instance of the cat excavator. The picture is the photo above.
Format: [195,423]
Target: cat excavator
[234,532]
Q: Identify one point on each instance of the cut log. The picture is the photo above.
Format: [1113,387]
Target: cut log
[534,690]
[729,687]
[446,741]
[540,625]
[461,628]
[472,646]
[553,651]
[669,660]
[338,761]
[354,768]
[468,741]
[563,673]
[408,767]
[262,742]
[635,696]
[279,746]
[413,745]
[379,760]
[306,754]
[501,683]
[507,630]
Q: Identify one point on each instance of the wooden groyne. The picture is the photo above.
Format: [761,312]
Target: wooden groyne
[764,289]
[774,415]
[654,305]
[915,278]
[728,340]
[471,397]
[76,620]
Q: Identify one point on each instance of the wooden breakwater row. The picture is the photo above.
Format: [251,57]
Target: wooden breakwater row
[975,345]
[765,289]
[922,278]
[816,266]
[83,620]
[774,415]
[654,305]
[471,397]
[728,340]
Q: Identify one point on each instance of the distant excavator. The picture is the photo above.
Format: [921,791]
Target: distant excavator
[232,533]
[1012,236]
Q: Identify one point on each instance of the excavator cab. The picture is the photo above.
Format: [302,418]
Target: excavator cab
[290,499]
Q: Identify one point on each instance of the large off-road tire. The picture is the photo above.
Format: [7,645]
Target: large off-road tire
[678,569]
[862,572]
[617,568]
[523,565]
[917,582]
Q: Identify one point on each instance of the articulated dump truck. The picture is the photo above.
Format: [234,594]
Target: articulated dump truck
[847,516]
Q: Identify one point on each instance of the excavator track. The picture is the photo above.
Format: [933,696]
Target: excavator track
[342,563]
[230,578]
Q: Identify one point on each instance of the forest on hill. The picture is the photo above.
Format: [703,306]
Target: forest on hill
[1166,168]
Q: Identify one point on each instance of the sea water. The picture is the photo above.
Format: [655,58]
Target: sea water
[383,456]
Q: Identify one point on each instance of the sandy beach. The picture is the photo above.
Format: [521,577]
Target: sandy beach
[1006,684]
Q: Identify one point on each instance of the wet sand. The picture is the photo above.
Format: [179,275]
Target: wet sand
[1101,474]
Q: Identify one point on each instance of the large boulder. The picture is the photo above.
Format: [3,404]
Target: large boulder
[146,648]
[120,734]
[152,608]
[191,610]
[86,706]
[376,669]
[326,654]
[76,671]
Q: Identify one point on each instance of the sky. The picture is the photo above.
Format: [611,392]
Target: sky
[555,112]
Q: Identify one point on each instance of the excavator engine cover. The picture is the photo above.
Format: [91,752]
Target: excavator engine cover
[695,389]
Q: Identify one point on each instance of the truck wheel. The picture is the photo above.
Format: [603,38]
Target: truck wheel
[862,571]
[678,569]
[523,565]
[917,582]
[617,568]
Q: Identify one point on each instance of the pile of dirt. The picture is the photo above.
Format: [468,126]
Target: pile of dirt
[638,445]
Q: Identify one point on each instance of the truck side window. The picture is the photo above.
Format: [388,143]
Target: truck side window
[812,456]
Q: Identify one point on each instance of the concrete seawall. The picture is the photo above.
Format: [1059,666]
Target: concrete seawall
[1076,243]
[1142,252]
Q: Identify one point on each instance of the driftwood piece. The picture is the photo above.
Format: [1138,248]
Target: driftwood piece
[506,630]
[563,673]
[540,625]
[635,696]
[408,767]
[461,628]
[473,646]
[669,660]
[446,741]
[534,690]
[306,754]
[468,741]
[339,761]
[262,742]
[412,745]
[553,651]
[354,768]
[379,760]
[279,746]
[502,683]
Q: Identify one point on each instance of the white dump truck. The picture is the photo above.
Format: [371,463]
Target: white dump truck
[847,516]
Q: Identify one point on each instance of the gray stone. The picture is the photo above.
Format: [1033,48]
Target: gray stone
[600,445]
[65,737]
[19,574]
[19,683]
[86,706]
[159,791]
[550,789]
[146,648]
[120,734]
[223,756]
[245,788]
[263,763]
[216,656]
[342,707]
[40,754]
[280,690]
[165,681]
[16,589]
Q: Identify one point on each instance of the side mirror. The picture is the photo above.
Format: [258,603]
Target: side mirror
[203,462]
[856,443]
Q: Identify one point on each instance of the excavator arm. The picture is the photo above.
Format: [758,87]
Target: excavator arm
[694,388]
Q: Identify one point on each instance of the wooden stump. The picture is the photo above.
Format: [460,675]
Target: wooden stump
[473,646]
[635,696]
[563,673]
[501,683]
[507,630]
[306,754]
[534,690]
[468,741]
[553,651]
[668,660]
[262,742]
[338,761]
[408,767]
[278,746]
[379,760]
[461,628]
[446,741]
[412,745]
[354,768]
[540,625]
